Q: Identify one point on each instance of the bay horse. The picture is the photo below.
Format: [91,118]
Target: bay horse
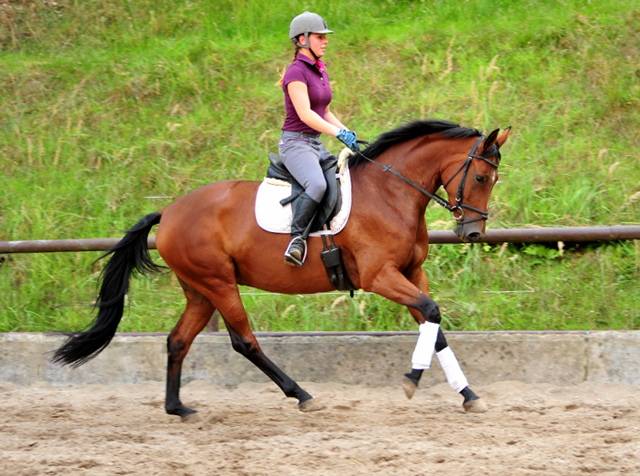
[210,239]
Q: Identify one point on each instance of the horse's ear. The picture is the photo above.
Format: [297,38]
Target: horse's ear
[503,137]
[495,139]
[490,140]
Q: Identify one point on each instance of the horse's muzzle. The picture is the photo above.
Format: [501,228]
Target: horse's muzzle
[469,233]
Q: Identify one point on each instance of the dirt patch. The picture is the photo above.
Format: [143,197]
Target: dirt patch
[255,430]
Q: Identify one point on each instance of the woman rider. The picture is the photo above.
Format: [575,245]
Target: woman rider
[307,95]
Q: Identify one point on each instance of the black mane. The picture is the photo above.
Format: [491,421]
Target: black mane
[410,131]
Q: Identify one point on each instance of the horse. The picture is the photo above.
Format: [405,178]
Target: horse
[210,239]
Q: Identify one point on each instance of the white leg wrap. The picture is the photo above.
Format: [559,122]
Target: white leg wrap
[452,369]
[423,353]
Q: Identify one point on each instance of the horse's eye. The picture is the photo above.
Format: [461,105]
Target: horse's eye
[480,179]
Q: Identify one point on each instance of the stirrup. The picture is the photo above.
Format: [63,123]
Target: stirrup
[292,260]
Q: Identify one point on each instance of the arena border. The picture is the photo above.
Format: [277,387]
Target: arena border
[576,234]
[360,358]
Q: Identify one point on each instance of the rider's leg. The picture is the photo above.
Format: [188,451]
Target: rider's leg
[304,210]
[302,155]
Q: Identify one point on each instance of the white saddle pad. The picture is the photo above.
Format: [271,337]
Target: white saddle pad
[273,217]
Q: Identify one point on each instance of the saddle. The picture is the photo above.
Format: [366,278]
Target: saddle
[330,205]
[331,201]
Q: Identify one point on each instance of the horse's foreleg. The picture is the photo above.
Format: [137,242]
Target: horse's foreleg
[413,292]
[193,320]
[431,337]
[455,376]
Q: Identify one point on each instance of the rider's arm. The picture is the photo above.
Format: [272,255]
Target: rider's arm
[300,99]
[332,119]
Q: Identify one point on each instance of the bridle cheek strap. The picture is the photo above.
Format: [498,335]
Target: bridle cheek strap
[460,207]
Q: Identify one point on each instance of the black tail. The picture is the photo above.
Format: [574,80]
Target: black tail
[131,254]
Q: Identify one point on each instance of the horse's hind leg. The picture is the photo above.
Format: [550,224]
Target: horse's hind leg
[194,318]
[227,301]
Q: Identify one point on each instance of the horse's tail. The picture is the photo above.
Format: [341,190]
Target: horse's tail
[130,254]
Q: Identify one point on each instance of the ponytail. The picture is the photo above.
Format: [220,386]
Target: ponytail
[295,55]
[279,83]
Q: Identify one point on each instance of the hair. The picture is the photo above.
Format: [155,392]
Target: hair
[410,131]
[295,55]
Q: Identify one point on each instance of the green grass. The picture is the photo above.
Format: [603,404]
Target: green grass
[106,103]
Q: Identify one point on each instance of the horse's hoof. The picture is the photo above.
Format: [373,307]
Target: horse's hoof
[408,386]
[191,418]
[475,406]
[180,410]
[311,405]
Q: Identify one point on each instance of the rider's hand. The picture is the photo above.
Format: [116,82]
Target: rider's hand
[349,139]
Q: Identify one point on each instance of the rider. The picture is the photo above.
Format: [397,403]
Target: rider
[307,95]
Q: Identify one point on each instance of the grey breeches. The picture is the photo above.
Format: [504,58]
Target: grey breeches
[301,154]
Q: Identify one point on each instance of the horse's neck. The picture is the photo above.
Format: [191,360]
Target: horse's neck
[418,161]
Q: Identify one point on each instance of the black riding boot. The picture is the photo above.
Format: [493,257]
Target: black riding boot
[304,211]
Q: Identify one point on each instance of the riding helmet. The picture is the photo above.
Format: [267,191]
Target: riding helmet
[307,23]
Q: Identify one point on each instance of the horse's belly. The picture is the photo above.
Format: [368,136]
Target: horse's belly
[263,267]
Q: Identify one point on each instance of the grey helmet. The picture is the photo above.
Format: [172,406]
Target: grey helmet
[304,24]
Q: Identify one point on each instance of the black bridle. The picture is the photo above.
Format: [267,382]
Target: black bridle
[459,207]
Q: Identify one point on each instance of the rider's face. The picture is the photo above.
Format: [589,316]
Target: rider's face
[317,42]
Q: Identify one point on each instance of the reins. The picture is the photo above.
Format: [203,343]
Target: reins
[459,206]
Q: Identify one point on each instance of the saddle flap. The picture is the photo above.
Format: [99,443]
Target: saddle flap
[331,200]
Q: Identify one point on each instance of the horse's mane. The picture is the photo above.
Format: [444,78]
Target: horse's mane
[410,131]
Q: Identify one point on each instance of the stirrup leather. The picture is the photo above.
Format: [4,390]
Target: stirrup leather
[293,260]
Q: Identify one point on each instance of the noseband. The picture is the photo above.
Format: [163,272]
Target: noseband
[459,207]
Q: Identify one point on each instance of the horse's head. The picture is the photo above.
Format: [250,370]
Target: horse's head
[469,185]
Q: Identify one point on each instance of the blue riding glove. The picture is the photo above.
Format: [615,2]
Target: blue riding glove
[349,139]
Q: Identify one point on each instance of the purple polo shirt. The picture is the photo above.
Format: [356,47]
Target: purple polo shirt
[304,69]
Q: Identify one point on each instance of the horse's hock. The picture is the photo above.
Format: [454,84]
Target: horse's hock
[375,359]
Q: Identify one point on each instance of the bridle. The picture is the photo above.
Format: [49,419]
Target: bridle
[459,207]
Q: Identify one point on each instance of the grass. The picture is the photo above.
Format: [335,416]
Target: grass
[107,103]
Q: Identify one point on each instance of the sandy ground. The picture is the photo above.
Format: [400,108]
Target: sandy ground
[255,430]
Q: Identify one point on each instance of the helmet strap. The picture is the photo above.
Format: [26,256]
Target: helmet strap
[307,46]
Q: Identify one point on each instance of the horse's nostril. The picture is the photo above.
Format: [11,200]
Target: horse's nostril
[473,237]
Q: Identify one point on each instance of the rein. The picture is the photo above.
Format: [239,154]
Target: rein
[459,207]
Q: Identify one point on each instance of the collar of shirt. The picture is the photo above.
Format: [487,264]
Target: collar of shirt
[319,64]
